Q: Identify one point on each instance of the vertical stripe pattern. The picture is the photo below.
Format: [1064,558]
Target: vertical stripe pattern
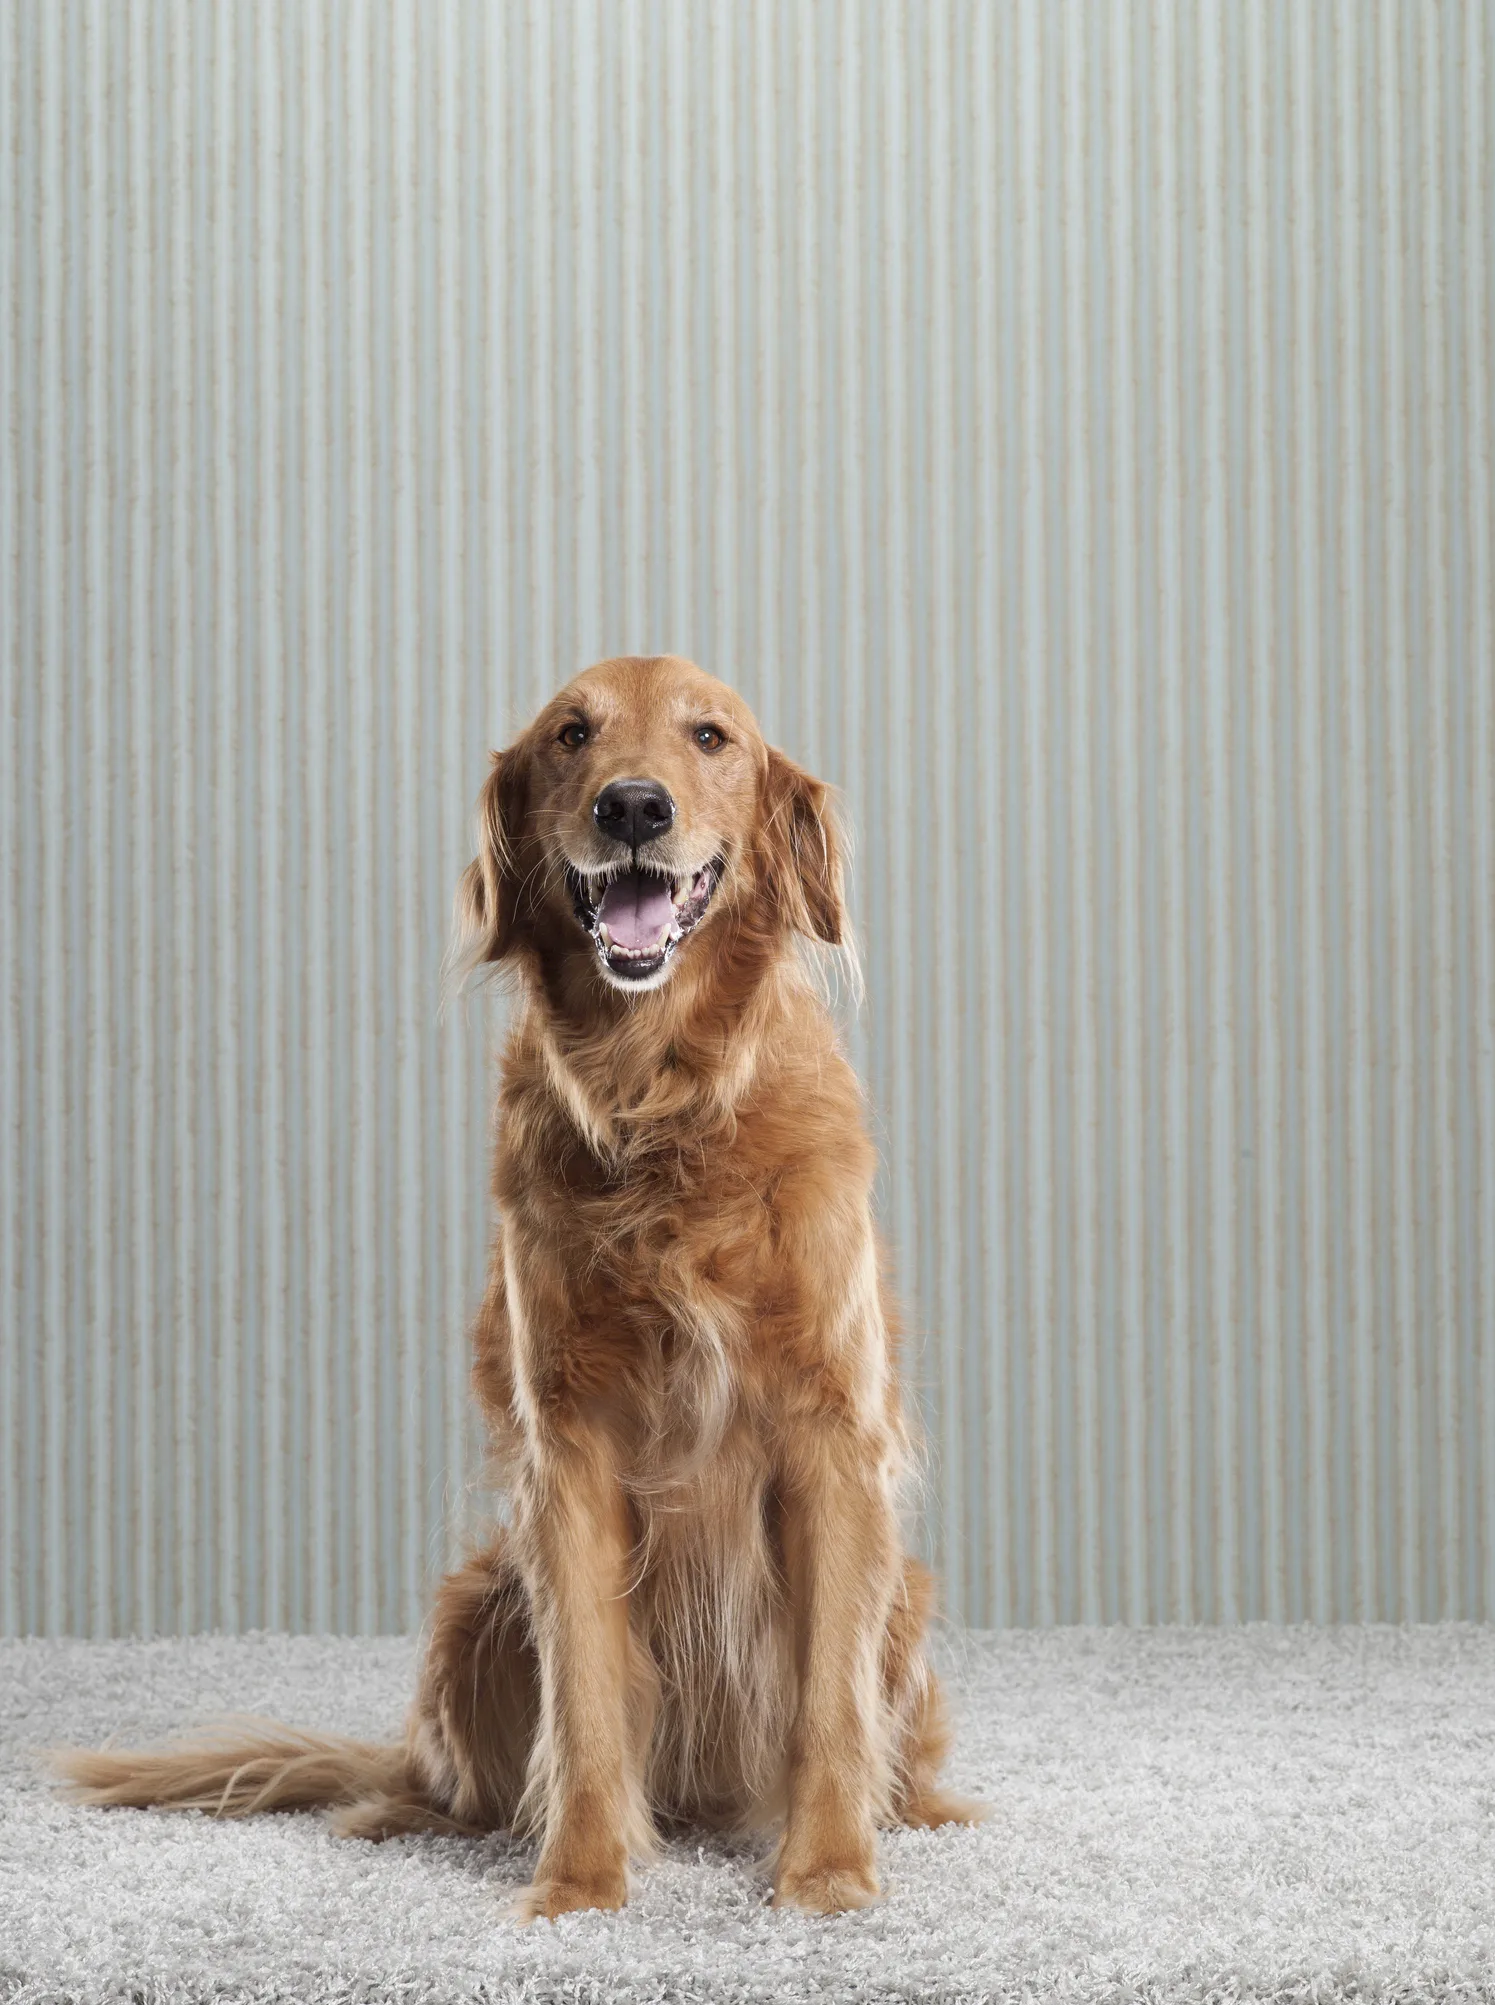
[1071,427]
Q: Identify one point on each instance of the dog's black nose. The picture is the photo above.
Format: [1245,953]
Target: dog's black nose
[633,811]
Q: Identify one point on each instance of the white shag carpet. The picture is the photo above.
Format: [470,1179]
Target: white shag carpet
[1257,1813]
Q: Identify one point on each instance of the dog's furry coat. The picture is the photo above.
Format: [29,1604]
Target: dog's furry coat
[685,1357]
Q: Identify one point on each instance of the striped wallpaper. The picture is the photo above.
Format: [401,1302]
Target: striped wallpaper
[1070,425]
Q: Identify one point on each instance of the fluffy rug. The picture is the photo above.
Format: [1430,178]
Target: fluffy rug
[1177,1814]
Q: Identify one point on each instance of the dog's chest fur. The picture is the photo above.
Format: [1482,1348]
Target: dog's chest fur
[709,1616]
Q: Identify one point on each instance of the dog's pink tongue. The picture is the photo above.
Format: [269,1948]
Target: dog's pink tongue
[637,910]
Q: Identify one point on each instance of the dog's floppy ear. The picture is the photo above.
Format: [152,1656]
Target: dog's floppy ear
[486,905]
[803,851]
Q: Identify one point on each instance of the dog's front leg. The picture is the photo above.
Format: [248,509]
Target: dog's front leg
[574,1524]
[840,1556]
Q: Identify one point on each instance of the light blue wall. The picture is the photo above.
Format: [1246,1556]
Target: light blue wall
[1071,427]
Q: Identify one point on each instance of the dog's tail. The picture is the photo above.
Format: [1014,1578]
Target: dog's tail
[245,1765]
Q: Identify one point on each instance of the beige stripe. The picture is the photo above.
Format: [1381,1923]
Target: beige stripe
[15,1559]
[1479,335]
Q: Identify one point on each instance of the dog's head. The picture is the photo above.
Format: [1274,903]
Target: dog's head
[639,814]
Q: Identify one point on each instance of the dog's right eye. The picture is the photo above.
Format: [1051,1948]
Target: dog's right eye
[573,734]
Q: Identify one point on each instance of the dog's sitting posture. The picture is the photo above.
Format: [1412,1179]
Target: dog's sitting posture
[685,1355]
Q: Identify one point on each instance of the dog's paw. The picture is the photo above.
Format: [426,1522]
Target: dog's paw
[826,1889]
[938,1806]
[548,1898]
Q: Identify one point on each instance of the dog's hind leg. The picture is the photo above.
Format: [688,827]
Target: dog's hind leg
[460,1767]
[922,1732]
[473,1723]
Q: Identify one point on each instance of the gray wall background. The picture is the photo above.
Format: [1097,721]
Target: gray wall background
[1070,425]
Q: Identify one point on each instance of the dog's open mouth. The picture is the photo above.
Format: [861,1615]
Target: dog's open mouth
[638,917]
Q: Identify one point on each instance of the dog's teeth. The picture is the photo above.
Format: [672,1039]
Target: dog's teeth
[682,890]
[603,935]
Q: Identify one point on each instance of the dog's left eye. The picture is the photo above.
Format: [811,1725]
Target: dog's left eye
[709,738]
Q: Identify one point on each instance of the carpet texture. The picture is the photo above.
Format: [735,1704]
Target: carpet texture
[1177,1814]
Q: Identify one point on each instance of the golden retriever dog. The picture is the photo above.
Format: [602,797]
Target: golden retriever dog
[701,1612]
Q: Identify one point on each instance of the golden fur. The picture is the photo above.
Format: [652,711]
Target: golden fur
[685,1358]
